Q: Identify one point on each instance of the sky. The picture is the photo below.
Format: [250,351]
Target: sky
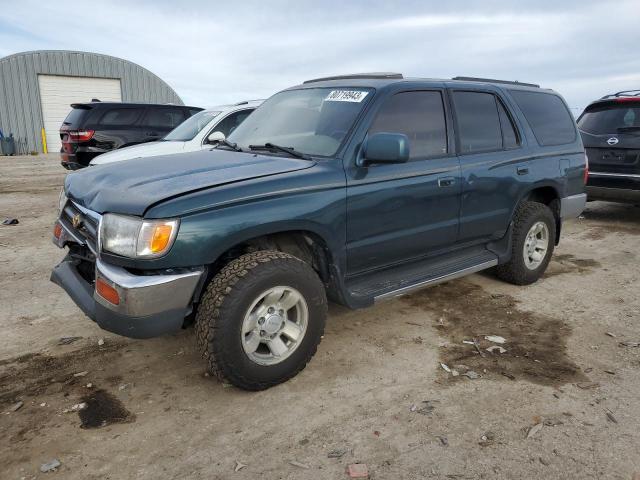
[223,52]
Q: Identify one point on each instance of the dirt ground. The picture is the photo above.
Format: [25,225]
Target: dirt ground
[561,402]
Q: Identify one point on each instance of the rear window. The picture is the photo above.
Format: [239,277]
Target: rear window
[610,119]
[120,116]
[76,115]
[548,117]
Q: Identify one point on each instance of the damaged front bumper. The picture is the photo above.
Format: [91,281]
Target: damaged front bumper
[140,305]
[148,305]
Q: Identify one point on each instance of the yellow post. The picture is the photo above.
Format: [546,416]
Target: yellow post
[44,141]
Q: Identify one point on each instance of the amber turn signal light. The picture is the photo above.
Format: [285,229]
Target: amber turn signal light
[107,292]
[57,230]
[161,237]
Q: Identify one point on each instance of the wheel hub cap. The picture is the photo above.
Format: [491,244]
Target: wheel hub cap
[272,324]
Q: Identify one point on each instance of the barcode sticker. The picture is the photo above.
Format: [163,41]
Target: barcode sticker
[346,96]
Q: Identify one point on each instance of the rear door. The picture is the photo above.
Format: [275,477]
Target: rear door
[160,120]
[493,165]
[400,212]
[611,136]
[117,126]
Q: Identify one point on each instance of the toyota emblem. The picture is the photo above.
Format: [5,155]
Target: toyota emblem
[613,141]
[76,221]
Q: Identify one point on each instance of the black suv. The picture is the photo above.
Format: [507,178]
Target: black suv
[97,127]
[610,129]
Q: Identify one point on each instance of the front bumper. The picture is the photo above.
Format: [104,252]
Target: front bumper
[572,206]
[149,305]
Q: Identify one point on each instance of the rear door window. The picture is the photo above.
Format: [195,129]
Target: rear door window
[509,136]
[610,119]
[120,117]
[478,122]
[164,118]
[548,116]
[420,116]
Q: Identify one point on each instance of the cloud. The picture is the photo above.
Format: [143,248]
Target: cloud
[211,53]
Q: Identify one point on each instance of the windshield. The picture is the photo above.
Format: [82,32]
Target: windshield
[313,121]
[188,129]
[607,120]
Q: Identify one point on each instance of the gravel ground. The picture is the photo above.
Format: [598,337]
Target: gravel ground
[561,402]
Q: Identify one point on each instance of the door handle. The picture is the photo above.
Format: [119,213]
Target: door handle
[522,170]
[446,181]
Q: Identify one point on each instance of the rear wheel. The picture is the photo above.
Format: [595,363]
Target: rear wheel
[533,240]
[261,319]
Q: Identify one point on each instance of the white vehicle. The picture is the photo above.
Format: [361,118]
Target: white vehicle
[197,132]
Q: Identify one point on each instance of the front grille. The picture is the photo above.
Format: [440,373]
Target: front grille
[82,223]
[608,160]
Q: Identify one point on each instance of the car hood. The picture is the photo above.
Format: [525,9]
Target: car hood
[132,187]
[150,149]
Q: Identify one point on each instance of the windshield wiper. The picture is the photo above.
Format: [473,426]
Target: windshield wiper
[231,145]
[628,129]
[272,146]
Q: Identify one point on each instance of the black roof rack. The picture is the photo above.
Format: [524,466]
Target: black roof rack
[372,75]
[624,93]
[492,80]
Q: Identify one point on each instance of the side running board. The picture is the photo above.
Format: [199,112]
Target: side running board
[436,280]
[369,287]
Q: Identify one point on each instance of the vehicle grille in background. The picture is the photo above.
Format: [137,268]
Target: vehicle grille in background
[613,160]
[87,229]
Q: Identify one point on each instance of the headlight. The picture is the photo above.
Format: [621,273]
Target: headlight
[137,238]
[62,201]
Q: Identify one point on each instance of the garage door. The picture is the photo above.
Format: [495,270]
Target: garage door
[57,93]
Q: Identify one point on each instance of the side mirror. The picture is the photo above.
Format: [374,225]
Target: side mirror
[215,137]
[385,148]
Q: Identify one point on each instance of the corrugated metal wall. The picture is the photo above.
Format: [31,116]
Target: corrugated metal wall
[20,107]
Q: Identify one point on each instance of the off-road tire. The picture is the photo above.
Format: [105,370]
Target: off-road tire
[224,304]
[515,271]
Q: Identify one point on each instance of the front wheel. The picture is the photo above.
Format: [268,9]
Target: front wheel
[532,242]
[260,320]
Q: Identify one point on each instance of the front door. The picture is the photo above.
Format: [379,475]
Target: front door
[400,212]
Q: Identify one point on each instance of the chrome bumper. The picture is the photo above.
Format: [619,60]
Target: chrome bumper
[148,305]
[144,295]
[572,206]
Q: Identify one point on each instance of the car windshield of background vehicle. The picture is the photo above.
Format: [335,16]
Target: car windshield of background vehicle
[313,121]
[188,129]
[611,120]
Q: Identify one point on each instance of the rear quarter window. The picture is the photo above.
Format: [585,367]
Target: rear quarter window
[76,117]
[548,117]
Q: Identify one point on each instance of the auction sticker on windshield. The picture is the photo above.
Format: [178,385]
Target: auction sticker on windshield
[346,96]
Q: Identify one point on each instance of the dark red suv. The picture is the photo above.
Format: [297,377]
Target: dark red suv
[97,127]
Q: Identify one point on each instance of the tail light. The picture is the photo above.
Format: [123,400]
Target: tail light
[586,168]
[80,135]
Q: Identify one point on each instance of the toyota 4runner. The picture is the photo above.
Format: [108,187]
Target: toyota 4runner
[355,189]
